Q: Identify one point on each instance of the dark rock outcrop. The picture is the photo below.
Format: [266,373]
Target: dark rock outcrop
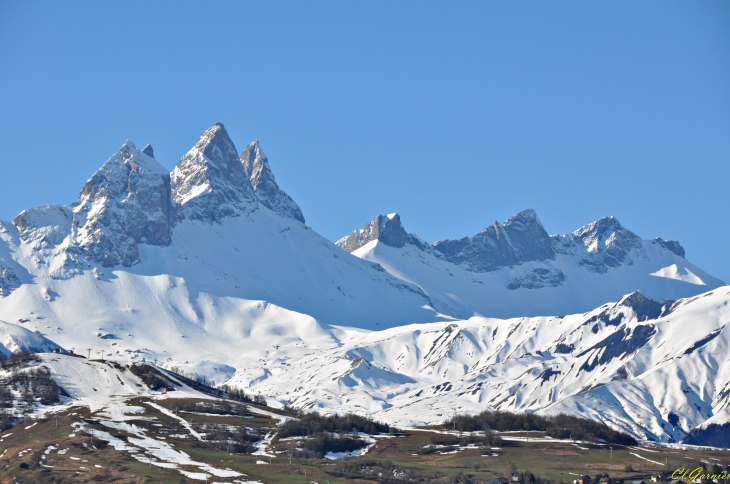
[487,251]
[537,278]
[529,237]
[619,344]
[713,435]
[607,243]
[671,246]
[385,228]
[9,280]
[644,307]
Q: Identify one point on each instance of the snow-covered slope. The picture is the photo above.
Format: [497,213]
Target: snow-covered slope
[517,269]
[15,339]
[211,268]
[656,370]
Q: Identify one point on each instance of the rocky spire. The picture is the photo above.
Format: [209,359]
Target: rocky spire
[387,229]
[209,182]
[147,150]
[257,169]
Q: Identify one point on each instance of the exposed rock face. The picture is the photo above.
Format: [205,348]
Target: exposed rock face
[209,182]
[537,278]
[607,243]
[125,203]
[524,246]
[633,306]
[385,228]
[256,167]
[529,237]
[486,251]
[670,245]
[624,341]
[644,307]
[133,200]
[9,280]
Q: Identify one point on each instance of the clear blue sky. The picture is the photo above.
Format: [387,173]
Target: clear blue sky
[454,114]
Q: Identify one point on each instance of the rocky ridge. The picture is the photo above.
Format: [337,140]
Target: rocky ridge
[599,246]
[219,260]
[8,280]
[516,268]
[133,200]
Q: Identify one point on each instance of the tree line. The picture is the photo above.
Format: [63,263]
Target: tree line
[556,426]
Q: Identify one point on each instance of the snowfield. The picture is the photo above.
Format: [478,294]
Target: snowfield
[653,370]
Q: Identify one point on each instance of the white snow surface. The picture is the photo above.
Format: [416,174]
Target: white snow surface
[425,373]
[204,277]
[14,338]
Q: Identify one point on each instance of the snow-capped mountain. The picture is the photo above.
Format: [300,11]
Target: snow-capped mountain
[206,229]
[518,269]
[211,267]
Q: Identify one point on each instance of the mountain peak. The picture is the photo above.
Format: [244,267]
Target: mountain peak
[126,202]
[607,241]
[147,150]
[387,229]
[257,169]
[216,145]
[209,182]
[529,237]
[522,238]
[486,251]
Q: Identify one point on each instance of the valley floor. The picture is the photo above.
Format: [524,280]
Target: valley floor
[142,439]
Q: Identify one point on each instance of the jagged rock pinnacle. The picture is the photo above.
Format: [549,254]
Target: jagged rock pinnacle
[257,169]
[209,181]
